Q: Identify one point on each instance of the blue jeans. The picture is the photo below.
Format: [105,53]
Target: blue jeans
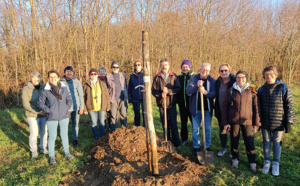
[52,130]
[268,138]
[137,115]
[95,117]
[75,124]
[37,125]
[196,128]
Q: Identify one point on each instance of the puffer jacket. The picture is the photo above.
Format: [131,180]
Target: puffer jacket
[55,109]
[30,97]
[218,113]
[172,84]
[240,108]
[135,80]
[276,106]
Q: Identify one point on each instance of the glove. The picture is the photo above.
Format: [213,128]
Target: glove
[288,128]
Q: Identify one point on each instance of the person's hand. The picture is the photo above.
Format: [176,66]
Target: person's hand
[255,129]
[80,111]
[165,90]
[226,129]
[42,113]
[86,113]
[163,95]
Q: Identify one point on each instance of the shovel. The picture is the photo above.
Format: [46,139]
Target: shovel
[167,145]
[204,157]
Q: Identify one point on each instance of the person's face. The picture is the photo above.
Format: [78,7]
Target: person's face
[69,74]
[93,76]
[185,69]
[164,66]
[138,66]
[115,68]
[53,78]
[102,72]
[224,72]
[204,71]
[241,80]
[270,77]
[35,80]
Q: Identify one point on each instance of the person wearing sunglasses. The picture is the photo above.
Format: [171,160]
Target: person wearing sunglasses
[75,89]
[96,99]
[118,96]
[56,101]
[223,83]
[135,94]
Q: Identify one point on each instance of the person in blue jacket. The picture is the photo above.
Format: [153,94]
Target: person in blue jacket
[56,102]
[135,94]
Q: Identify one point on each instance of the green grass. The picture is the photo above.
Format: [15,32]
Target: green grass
[17,167]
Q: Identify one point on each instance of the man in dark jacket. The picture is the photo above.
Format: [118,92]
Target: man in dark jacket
[277,114]
[135,95]
[183,99]
[223,83]
[166,85]
[209,93]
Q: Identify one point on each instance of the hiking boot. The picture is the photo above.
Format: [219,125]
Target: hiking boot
[75,143]
[253,167]
[69,156]
[235,163]
[208,149]
[34,154]
[195,151]
[52,160]
[266,167]
[184,142]
[275,168]
[44,151]
[222,152]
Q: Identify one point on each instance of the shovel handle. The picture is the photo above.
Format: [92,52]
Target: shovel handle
[165,117]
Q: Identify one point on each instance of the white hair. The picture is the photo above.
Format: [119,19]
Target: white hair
[35,74]
[205,64]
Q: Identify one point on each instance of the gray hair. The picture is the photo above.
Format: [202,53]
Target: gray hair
[35,74]
[102,68]
[205,64]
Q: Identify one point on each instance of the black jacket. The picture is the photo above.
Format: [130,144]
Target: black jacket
[217,104]
[172,84]
[182,98]
[276,106]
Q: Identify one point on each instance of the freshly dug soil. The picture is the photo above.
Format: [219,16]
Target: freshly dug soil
[121,159]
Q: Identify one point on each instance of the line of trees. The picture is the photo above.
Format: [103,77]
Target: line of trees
[50,34]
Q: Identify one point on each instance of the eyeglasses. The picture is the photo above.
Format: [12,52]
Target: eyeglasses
[115,67]
[93,74]
[224,71]
[137,65]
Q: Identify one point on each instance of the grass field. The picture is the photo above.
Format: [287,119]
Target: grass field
[17,167]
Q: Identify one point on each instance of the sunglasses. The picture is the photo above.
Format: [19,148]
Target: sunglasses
[137,65]
[115,67]
[223,71]
[93,74]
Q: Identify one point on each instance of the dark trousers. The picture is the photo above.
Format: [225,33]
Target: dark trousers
[184,115]
[223,137]
[171,124]
[137,104]
[248,140]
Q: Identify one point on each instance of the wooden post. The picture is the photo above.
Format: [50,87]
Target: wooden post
[147,131]
[151,129]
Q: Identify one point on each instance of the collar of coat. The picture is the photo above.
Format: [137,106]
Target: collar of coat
[48,87]
[190,73]
[135,73]
[170,73]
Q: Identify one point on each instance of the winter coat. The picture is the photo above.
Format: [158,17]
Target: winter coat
[30,97]
[276,106]
[182,98]
[218,113]
[172,84]
[88,96]
[55,109]
[192,91]
[135,80]
[111,83]
[240,108]
[75,89]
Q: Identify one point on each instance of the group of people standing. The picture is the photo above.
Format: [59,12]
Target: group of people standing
[238,107]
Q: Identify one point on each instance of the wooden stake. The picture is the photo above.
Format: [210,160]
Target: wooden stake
[151,129]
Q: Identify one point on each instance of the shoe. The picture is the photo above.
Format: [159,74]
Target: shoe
[195,151]
[253,167]
[69,156]
[275,168]
[52,160]
[208,149]
[34,154]
[184,142]
[235,163]
[266,167]
[222,152]
[44,151]
[75,143]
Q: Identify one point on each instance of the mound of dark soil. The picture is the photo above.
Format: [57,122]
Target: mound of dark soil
[121,159]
